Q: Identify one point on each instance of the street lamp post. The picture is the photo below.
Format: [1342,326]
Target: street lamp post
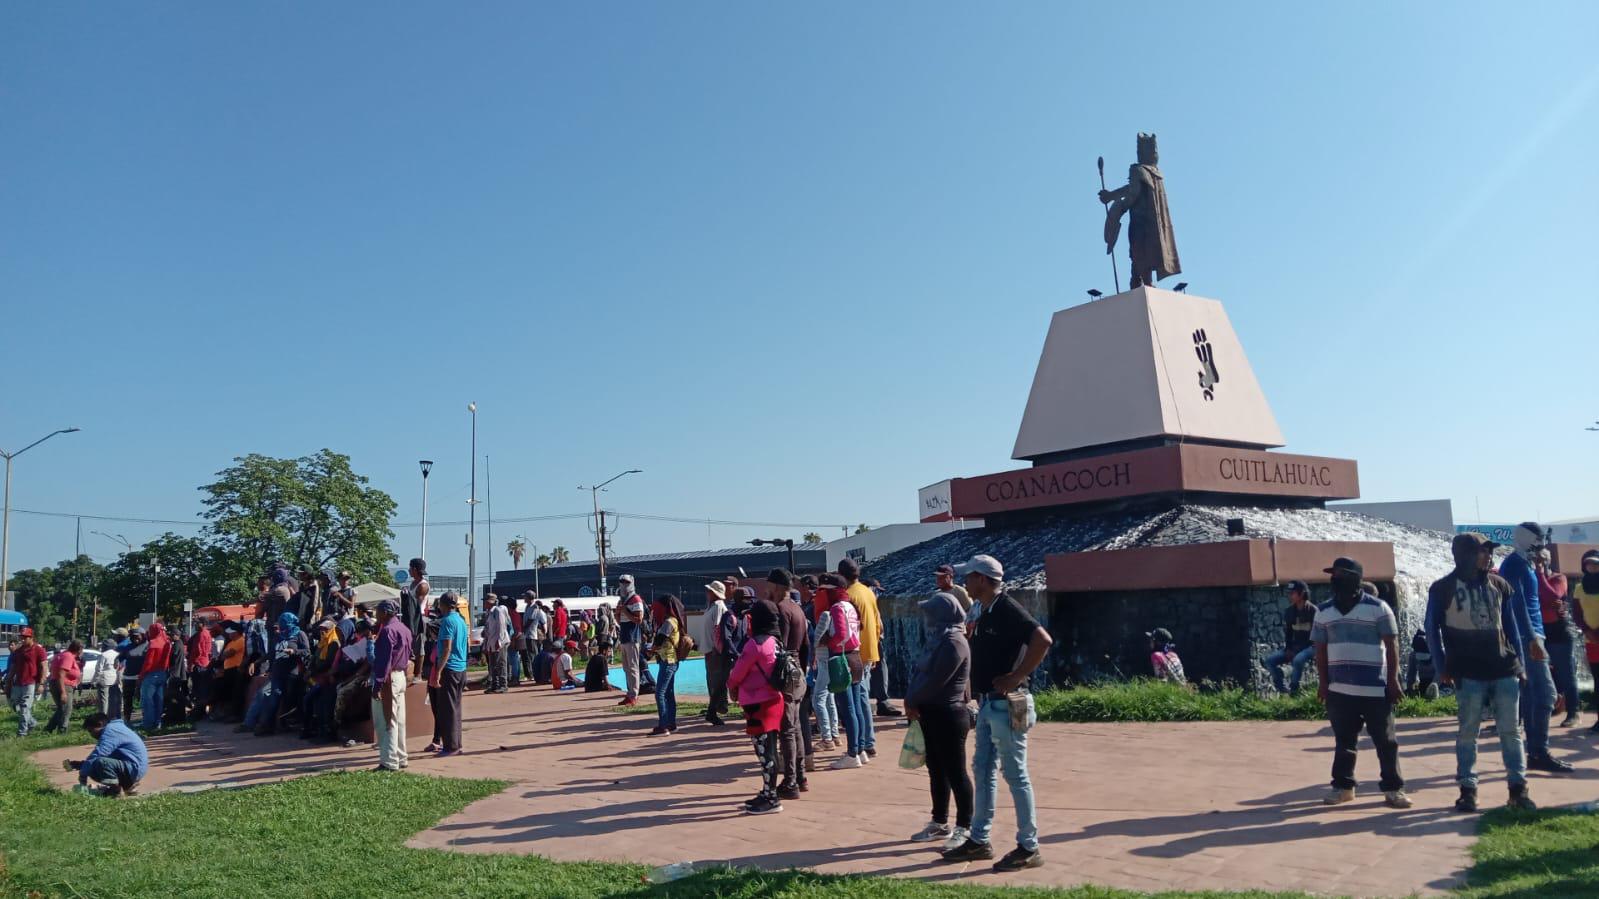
[155,600]
[427,466]
[471,534]
[5,527]
[599,523]
[779,542]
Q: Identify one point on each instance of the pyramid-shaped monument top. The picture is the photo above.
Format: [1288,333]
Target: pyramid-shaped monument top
[1143,366]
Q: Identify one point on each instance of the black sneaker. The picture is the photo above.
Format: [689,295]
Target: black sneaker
[970,851]
[715,721]
[1548,763]
[763,807]
[788,792]
[1467,801]
[1568,721]
[1019,858]
[884,710]
[1595,728]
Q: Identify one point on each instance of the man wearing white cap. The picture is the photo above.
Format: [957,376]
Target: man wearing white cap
[1007,644]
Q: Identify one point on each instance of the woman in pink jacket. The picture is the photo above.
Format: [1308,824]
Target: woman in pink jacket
[763,704]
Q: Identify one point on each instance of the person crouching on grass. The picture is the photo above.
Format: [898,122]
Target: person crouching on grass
[763,705]
[119,759]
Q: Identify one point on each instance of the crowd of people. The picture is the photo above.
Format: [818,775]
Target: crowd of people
[803,657]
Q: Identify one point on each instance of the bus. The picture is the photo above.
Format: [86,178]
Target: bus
[11,624]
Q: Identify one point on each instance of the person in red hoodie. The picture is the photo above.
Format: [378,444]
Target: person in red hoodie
[199,648]
[64,677]
[153,677]
[562,618]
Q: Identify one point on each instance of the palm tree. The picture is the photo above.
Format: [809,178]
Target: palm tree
[863,529]
[813,538]
[560,555]
[517,548]
[543,561]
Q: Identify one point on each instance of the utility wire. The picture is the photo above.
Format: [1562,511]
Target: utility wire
[517,520]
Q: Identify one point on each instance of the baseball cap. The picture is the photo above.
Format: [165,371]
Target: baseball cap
[1472,540]
[780,577]
[325,623]
[716,589]
[1346,565]
[945,569]
[449,600]
[625,579]
[389,606]
[1299,587]
[985,565]
[1159,635]
[344,573]
[26,632]
[1591,555]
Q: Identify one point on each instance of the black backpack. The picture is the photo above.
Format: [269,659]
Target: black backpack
[787,677]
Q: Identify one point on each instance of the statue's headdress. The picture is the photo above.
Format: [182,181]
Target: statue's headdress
[1146,146]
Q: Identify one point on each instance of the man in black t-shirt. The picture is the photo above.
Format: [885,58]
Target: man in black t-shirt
[1007,644]
[1297,650]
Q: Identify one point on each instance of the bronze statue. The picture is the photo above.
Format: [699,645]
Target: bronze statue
[1149,234]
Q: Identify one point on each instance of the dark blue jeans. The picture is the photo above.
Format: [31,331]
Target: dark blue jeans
[1563,665]
[666,694]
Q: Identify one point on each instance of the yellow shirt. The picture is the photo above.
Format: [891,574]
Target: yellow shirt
[1589,603]
[871,623]
[668,650]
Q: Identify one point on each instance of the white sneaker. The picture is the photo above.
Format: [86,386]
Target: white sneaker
[1397,799]
[865,759]
[957,838]
[1335,796]
[848,761]
[933,831]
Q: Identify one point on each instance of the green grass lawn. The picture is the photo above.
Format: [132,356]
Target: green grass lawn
[342,835]
[1151,700]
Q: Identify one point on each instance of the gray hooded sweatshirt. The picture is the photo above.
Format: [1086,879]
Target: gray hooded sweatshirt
[943,673]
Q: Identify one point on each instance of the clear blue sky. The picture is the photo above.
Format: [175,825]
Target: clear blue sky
[794,262]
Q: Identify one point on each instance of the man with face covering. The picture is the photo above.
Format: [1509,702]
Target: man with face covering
[1472,634]
[1538,687]
[1357,664]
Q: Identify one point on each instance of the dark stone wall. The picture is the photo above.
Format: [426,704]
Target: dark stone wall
[1223,634]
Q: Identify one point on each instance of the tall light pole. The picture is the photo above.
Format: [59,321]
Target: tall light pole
[599,522]
[155,600]
[779,542]
[471,534]
[427,466]
[5,528]
[488,491]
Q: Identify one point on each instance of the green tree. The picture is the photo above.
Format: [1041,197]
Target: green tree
[861,529]
[812,538]
[543,561]
[313,511]
[193,569]
[517,548]
[48,597]
[560,555]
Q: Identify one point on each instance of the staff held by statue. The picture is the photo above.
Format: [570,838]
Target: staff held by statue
[1110,247]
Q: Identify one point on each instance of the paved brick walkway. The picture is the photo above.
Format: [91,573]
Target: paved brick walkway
[1140,806]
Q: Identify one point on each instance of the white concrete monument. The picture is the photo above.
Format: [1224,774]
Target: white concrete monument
[1142,366]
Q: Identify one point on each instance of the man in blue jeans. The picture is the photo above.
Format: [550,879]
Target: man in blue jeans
[1297,651]
[1472,633]
[119,759]
[1538,684]
[1006,645]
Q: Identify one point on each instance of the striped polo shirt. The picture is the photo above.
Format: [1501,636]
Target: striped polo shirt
[1356,662]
